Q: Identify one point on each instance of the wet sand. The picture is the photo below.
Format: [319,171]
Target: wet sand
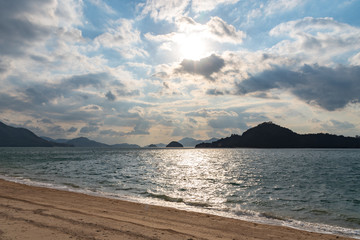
[28,212]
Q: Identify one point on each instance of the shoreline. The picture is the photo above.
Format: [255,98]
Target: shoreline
[29,212]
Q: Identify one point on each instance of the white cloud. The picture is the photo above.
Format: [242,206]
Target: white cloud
[276,6]
[171,10]
[273,7]
[165,9]
[122,38]
[102,5]
[201,6]
[316,40]
[355,60]
[194,40]
[91,107]
[224,32]
[215,29]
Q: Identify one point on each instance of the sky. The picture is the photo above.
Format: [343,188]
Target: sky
[159,70]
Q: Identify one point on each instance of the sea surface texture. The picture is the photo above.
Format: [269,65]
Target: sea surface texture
[311,189]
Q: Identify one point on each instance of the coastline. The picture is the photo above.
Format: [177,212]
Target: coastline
[29,212]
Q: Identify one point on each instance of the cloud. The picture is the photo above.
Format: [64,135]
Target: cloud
[217,92]
[273,7]
[204,67]
[276,6]
[110,96]
[202,6]
[209,113]
[27,24]
[329,88]
[46,121]
[141,128]
[164,9]
[315,40]
[334,125]
[43,93]
[16,30]
[355,60]
[224,122]
[123,38]
[128,93]
[171,10]
[89,129]
[91,107]
[112,133]
[188,30]
[72,130]
[102,5]
[224,32]
[233,119]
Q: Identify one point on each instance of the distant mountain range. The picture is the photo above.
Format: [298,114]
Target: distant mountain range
[265,135]
[270,135]
[85,142]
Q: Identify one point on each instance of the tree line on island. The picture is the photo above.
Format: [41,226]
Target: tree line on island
[265,135]
[270,135]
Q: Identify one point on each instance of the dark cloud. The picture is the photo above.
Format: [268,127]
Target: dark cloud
[58,130]
[45,120]
[110,96]
[16,30]
[193,121]
[216,92]
[72,130]
[9,102]
[4,65]
[126,93]
[90,79]
[43,93]
[110,132]
[204,67]
[330,88]
[121,92]
[89,129]
[142,128]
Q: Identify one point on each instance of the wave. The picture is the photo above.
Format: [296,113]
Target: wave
[178,200]
[273,219]
[180,203]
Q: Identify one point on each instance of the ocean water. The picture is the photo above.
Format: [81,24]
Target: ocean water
[310,189]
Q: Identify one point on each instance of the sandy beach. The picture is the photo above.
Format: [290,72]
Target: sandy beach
[28,212]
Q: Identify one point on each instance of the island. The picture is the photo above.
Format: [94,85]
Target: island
[174,144]
[152,146]
[270,135]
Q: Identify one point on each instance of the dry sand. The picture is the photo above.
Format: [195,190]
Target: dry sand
[28,212]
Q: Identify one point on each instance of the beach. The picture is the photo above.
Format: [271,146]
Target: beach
[28,212]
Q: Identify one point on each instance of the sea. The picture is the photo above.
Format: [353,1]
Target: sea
[315,190]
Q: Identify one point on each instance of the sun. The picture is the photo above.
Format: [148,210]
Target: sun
[192,47]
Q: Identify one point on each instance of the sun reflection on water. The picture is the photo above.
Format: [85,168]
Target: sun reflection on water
[195,177]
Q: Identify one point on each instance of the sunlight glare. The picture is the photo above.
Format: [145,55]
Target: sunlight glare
[192,47]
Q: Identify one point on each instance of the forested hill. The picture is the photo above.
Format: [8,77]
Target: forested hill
[270,135]
[21,137]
